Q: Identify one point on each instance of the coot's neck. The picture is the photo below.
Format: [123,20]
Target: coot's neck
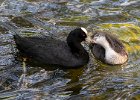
[77,49]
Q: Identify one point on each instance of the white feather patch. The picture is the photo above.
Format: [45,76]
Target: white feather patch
[84,30]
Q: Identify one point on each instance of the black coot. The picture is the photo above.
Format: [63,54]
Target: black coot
[70,54]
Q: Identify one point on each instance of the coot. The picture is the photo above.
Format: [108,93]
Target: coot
[46,50]
[108,48]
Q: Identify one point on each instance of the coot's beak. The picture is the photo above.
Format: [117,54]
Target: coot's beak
[89,39]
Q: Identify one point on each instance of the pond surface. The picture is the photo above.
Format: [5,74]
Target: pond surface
[56,18]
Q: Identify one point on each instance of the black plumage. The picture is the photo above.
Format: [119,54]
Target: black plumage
[46,50]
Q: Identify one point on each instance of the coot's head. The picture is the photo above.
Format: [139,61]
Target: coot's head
[105,40]
[77,35]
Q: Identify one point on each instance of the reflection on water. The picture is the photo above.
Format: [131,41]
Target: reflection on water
[56,18]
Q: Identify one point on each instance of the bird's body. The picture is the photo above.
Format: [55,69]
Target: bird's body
[108,49]
[113,57]
[47,50]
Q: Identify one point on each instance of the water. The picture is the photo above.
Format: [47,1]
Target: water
[56,18]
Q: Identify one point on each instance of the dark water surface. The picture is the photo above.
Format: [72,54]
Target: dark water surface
[57,18]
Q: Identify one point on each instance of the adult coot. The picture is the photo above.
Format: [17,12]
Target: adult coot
[70,54]
[108,48]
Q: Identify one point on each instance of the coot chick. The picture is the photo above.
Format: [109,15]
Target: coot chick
[108,48]
[70,54]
